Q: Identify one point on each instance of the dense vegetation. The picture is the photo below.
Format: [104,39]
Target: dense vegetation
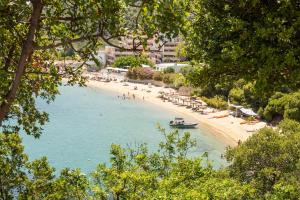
[132,61]
[266,166]
[286,105]
[248,48]
[140,73]
[33,33]
[255,41]
[175,80]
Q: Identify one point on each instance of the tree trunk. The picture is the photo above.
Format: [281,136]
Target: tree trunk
[27,50]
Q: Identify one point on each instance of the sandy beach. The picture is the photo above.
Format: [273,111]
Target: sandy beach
[228,129]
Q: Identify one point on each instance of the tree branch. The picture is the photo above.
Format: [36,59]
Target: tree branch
[8,59]
[139,13]
[69,41]
[27,50]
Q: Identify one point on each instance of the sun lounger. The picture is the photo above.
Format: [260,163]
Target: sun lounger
[221,116]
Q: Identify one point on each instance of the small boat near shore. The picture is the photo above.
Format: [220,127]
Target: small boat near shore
[179,122]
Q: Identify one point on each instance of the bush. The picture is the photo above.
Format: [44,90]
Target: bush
[267,158]
[158,76]
[132,61]
[237,96]
[168,78]
[169,70]
[215,102]
[242,93]
[179,80]
[124,61]
[140,73]
[186,70]
[286,105]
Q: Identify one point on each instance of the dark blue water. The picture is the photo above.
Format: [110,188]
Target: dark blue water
[84,122]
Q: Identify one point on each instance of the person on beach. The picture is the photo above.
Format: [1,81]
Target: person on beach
[133,96]
[239,142]
[124,96]
[143,98]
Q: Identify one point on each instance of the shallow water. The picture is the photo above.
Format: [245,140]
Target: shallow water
[84,122]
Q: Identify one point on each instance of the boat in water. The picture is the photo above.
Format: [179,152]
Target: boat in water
[179,122]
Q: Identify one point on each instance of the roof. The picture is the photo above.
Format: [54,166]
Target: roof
[235,106]
[117,69]
[248,112]
[145,66]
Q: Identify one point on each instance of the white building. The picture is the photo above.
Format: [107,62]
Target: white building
[175,66]
[166,53]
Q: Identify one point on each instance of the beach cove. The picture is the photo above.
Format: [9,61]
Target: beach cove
[229,130]
[85,121]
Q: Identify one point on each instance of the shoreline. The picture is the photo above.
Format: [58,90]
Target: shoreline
[227,130]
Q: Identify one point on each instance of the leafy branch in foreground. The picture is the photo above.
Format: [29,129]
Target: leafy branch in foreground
[266,166]
[32,34]
[257,41]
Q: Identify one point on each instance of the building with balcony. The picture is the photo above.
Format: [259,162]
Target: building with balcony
[156,53]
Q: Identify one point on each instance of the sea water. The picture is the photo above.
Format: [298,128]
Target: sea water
[84,122]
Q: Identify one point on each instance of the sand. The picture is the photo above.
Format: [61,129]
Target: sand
[227,129]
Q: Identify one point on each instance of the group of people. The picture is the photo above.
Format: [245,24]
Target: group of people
[128,96]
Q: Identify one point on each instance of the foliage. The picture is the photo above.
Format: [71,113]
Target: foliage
[140,73]
[131,61]
[237,96]
[181,51]
[207,89]
[254,40]
[266,166]
[186,70]
[179,80]
[175,79]
[34,180]
[169,70]
[157,76]
[243,94]
[168,78]
[166,174]
[286,105]
[269,160]
[216,102]
[32,34]
[12,161]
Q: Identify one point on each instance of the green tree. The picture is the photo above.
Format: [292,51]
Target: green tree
[168,70]
[166,174]
[284,105]
[181,51]
[266,166]
[179,80]
[254,40]
[34,32]
[12,161]
[269,159]
[131,61]
[22,179]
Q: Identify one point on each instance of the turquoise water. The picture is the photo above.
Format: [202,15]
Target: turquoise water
[84,122]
